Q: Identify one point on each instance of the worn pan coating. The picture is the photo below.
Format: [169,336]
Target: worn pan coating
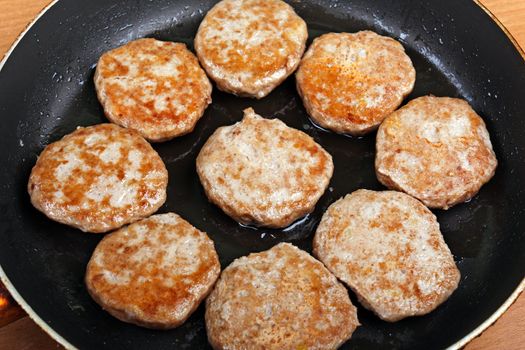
[46,91]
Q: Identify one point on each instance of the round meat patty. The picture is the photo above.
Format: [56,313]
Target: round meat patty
[388,248]
[279,299]
[248,47]
[262,172]
[154,87]
[436,149]
[350,82]
[154,272]
[98,178]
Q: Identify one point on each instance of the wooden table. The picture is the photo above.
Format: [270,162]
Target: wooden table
[17,331]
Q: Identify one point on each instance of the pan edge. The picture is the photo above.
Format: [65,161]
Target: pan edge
[3,276]
[491,320]
[31,313]
[521,286]
[502,27]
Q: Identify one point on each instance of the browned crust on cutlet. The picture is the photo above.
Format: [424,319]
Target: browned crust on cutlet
[248,47]
[388,248]
[436,149]
[262,172]
[98,178]
[279,299]
[153,273]
[154,87]
[349,82]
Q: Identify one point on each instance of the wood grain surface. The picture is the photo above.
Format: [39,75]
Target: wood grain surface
[507,333]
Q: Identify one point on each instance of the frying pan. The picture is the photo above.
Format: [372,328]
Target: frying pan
[46,91]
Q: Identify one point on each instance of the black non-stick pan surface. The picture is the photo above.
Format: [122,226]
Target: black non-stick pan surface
[46,91]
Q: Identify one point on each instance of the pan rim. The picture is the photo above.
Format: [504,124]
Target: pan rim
[66,344]
[502,27]
[3,276]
